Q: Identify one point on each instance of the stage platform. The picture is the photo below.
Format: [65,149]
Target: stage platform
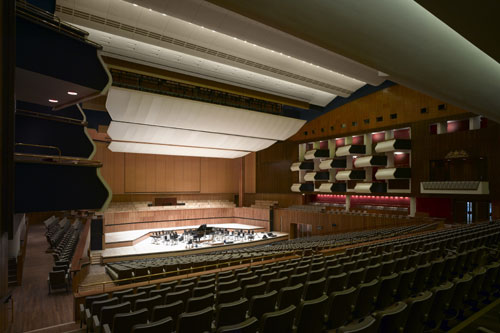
[136,244]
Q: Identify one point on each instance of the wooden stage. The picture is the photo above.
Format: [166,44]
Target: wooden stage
[136,244]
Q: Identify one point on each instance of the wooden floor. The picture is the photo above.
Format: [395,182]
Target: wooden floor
[34,308]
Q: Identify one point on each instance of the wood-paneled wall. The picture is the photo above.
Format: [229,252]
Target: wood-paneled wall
[404,102]
[250,172]
[284,199]
[273,168]
[323,223]
[149,219]
[145,173]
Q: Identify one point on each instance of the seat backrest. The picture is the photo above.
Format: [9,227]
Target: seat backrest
[260,304]
[393,318]
[123,322]
[248,326]
[226,296]
[174,296]
[231,313]
[148,303]
[340,306]
[314,289]
[442,297]
[199,321]
[203,290]
[199,303]
[309,318]
[356,277]
[96,306]
[254,289]
[121,293]
[168,310]
[419,308]
[161,292]
[336,283]
[165,325]
[297,278]
[248,280]
[289,295]
[367,297]
[228,285]
[132,298]
[280,321]
[387,292]
[268,276]
[367,325]
[277,284]
[146,289]
[109,311]
[90,299]
[406,279]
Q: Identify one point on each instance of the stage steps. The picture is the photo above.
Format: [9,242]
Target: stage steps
[96,257]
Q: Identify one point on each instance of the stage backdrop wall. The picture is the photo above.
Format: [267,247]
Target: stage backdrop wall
[151,219]
[145,173]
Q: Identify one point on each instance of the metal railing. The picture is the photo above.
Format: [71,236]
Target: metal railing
[61,119]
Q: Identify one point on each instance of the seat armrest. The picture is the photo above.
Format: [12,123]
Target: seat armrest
[88,318]
[105,328]
[82,312]
[96,325]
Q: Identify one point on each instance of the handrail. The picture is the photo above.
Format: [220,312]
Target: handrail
[51,117]
[270,256]
[52,159]
[39,146]
[28,11]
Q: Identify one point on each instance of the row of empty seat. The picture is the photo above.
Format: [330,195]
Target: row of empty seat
[418,283]
[62,236]
[141,268]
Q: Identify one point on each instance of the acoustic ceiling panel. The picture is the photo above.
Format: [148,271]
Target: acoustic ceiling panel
[147,148]
[151,109]
[119,131]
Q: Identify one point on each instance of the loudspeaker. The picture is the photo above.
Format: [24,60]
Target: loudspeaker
[96,233]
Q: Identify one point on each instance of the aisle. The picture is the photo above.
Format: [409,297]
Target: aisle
[34,307]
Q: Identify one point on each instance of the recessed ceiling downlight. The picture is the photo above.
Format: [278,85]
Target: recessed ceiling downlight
[51,100]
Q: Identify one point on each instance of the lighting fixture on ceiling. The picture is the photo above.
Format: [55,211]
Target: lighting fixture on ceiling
[72,93]
[51,100]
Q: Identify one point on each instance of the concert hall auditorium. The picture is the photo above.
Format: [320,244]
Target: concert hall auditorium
[264,166]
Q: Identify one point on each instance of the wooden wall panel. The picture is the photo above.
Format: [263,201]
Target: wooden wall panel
[284,199]
[250,172]
[148,219]
[130,197]
[339,223]
[146,173]
[113,167]
[404,102]
[273,173]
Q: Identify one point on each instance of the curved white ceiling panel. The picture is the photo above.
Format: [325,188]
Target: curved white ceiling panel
[163,135]
[155,56]
[203,13]
[157,29]
[146,148]
[151,109]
